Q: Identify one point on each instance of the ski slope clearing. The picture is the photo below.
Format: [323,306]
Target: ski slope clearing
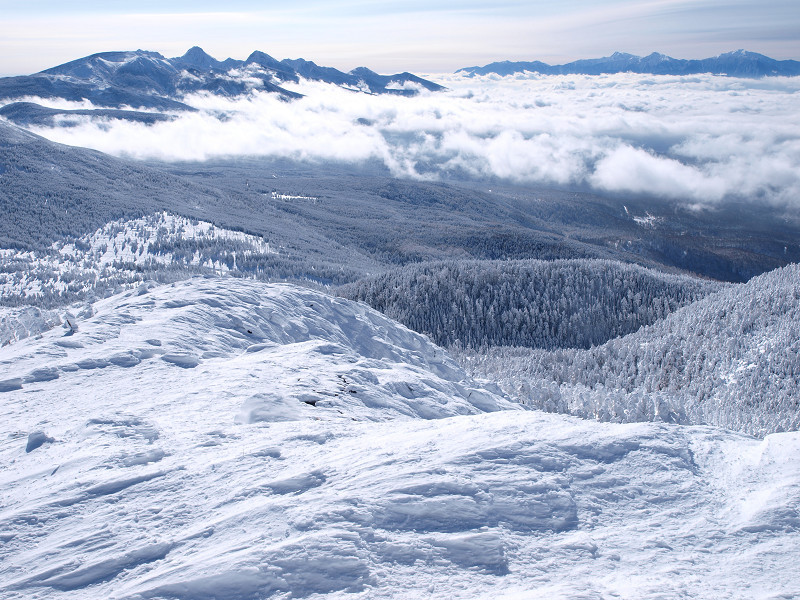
[221,438]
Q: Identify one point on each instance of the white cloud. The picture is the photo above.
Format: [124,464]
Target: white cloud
[628,169]
[700,139]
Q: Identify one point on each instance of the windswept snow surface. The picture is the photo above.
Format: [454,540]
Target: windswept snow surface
[267,352]
[221,438]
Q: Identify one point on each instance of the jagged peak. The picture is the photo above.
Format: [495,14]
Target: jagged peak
[299,61]
[196,57]
[197,52]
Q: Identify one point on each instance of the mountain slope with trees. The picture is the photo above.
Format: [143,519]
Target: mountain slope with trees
[731,359]
[530,303]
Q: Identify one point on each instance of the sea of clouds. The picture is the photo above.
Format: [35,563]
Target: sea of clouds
[699,139]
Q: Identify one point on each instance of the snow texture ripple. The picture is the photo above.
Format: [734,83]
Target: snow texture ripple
[221,438]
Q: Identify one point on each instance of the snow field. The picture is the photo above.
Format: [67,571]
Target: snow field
[221,438]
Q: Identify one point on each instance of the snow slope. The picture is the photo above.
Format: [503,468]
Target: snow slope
[289,352]
[221,438]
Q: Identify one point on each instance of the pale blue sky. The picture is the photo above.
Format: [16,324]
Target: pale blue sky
[387,35]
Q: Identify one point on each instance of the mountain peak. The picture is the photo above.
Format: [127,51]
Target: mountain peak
[196,52]
[261,58]
[362,72]
[738,63]
[145,79]
[95,65]
[198,58]
[743,54]
[295,62]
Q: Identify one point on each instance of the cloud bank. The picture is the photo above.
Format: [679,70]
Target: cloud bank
[700,139]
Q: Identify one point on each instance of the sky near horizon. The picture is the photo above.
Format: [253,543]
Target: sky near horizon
[389,35]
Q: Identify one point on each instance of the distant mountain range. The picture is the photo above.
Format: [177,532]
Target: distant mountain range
[739,63]
[147,80]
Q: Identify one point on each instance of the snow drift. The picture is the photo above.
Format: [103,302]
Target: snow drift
[225,438]
[290,353]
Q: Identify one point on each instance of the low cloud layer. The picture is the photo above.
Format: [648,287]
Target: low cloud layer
[699,139]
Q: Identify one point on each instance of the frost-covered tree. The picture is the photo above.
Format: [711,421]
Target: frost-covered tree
[530,303]
[730,359]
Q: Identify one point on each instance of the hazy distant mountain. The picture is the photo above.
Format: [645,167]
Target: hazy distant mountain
[148,80]
[734,64]
[30,113]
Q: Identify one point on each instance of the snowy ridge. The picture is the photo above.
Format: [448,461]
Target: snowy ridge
[315,356]
[132,242]
[739,63]
[125,253]
[246,440]
[147,80]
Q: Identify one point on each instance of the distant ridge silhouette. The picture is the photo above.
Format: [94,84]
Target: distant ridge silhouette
[739,63]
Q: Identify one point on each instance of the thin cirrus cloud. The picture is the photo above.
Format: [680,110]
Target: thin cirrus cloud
[700,139]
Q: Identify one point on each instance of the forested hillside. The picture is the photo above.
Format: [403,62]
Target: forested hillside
[530,303]
[731,359]
[56,194]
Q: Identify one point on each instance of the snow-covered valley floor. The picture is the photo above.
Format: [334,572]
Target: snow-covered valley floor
[220,438]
